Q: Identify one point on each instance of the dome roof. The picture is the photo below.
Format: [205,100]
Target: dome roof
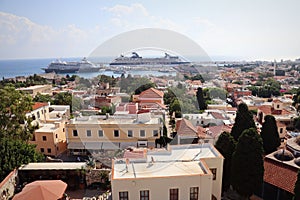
[297,161]
[283,155]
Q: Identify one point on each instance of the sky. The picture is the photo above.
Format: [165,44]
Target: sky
[229,30]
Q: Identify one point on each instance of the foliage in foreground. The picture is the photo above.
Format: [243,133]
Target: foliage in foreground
[247,163]
[15,131]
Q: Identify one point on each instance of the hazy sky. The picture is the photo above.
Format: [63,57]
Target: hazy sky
[256,29]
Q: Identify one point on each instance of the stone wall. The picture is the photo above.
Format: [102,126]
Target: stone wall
[97,176]
[7,186]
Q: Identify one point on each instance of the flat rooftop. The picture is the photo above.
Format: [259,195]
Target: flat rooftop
[53,166]
[178,160]
[157,169]
[34,87]
[47,128]
[113,120]
[184,153]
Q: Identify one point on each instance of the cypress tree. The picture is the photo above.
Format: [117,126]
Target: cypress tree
[270,135]
[243,120]
[247,163]
[226,146]
[201,102]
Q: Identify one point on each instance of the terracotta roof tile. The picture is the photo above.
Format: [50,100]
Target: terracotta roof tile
[280,175]
[185,127]
[38,105]
[151,93]
[267,110]
[217,115]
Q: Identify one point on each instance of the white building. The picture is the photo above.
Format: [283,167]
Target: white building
[181,172]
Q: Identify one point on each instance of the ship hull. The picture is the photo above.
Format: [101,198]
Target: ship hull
[61,71]
[141,63]
[71,67]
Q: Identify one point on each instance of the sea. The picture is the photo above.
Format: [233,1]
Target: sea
[27,67]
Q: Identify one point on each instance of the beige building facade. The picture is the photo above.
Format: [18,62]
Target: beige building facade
[95,133]
[181,172]
[50,137]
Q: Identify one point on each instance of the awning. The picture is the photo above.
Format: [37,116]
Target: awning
[75,145]
[94,145]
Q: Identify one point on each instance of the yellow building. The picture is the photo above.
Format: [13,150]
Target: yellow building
[50,137]
[95,133]
[181,172]
[34,90]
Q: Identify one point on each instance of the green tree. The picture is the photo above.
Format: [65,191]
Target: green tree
[253,89]
[198,77]
[175,108]
[14,153]
[15,131]
[270,135]
[201,102]
[144,87]
[297,188]
[217,93]
[297,123]
[13,107]
[130,84]
[65,98]
[77,104]
[42,98]
[247,164]
[106,109]
[162,141]
[226,146]
[107,79]
[243,120]
[169,96]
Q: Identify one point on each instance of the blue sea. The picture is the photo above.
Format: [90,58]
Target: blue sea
[27,67]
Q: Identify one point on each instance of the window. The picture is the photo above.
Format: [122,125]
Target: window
[75,133]
[142,133]
[49,150]
[214,172]
[144,195]
[42,111]
[56,136]
[88,133]
[63,129]
[129,133]
[194,193]
[174,194]
[281,130]
[38,115]
[42,150]
[116,133]
[123,195]
[44,138]
[277,106]
[155,133]
[100,133]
